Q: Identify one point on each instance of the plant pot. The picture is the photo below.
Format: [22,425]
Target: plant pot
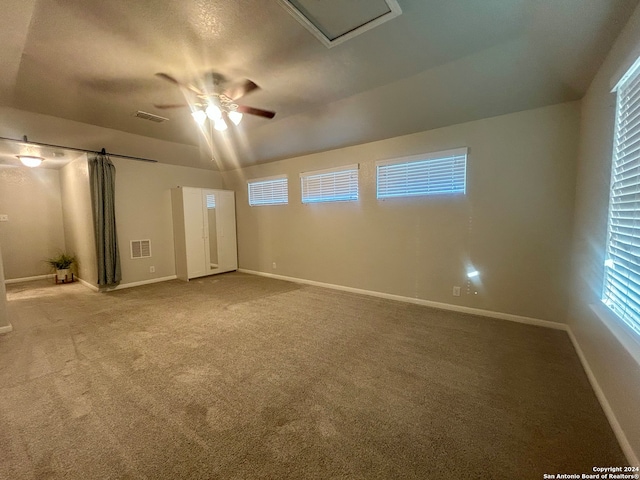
[63,274]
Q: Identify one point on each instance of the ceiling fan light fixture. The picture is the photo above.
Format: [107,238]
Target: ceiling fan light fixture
[235,117]
[30,160]
[219,124]
[199,116]
[213,112]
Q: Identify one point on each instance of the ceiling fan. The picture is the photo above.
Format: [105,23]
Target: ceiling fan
[217,102]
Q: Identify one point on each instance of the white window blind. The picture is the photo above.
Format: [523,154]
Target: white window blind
[622,267]
[269,191]
[331,185]
[428,174]
[211,201]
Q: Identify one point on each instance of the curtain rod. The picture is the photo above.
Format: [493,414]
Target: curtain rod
[103,151]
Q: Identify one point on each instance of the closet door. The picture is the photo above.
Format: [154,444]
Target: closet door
[204,231]
[220,225]
[211,206]
[226,219]
[196,244]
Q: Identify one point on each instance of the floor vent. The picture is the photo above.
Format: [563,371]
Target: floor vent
[150,116]
[140,248]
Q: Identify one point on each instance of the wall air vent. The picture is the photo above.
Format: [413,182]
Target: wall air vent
[150,116]
[339,20]
[140,248]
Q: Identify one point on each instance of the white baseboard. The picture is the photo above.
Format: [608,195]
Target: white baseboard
[28,279]
[88,285]
[125,285]
[602,399]
[418,301]
[618,431]
[137,284]
[6,329]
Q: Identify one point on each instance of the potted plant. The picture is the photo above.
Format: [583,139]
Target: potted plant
[62,264]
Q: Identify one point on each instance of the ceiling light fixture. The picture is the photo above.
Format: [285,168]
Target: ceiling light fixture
[199,116]
[30,160]
[235,117]
[217,113]
[219,124]
[213,112]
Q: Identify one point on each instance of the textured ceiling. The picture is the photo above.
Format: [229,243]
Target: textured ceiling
[441,62]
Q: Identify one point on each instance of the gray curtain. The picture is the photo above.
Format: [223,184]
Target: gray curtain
[102,176]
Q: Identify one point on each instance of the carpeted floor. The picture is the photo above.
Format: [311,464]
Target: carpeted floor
[242,377]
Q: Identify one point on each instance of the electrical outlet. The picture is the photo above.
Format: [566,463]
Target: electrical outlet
[456,291]
[152,269]
[4,218]
[273,265]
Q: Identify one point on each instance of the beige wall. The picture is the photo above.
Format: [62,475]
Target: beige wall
[609,350]
[34,232]
[143,211]
[514,224]
[35,200]
[78,217]
[142,193]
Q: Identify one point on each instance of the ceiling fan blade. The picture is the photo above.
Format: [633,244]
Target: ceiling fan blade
[169,78]
[240,90]
[170,105]
[255,111]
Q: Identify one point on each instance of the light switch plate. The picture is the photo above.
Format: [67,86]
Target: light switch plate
[4,218]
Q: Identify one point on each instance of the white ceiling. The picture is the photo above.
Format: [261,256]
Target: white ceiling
[441,62]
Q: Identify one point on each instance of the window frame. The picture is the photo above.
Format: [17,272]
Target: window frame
[268,180]
[618,301]
[329,172]
[430,157]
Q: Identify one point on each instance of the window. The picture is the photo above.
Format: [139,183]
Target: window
[211,201]
[428,174]
[621,292]
[269,191]
[331,185]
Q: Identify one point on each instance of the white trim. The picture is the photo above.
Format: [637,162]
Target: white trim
[137,284]
[602,399]
[394,8]
[345,168]
[90,286]
[418,301]
[627,337]
[268,191]
[267,179]
[29,279]
[148,240]
[6,329]
[424,156]
[618,431]
[628,73]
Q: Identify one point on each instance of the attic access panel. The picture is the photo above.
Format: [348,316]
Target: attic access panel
[334,21]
